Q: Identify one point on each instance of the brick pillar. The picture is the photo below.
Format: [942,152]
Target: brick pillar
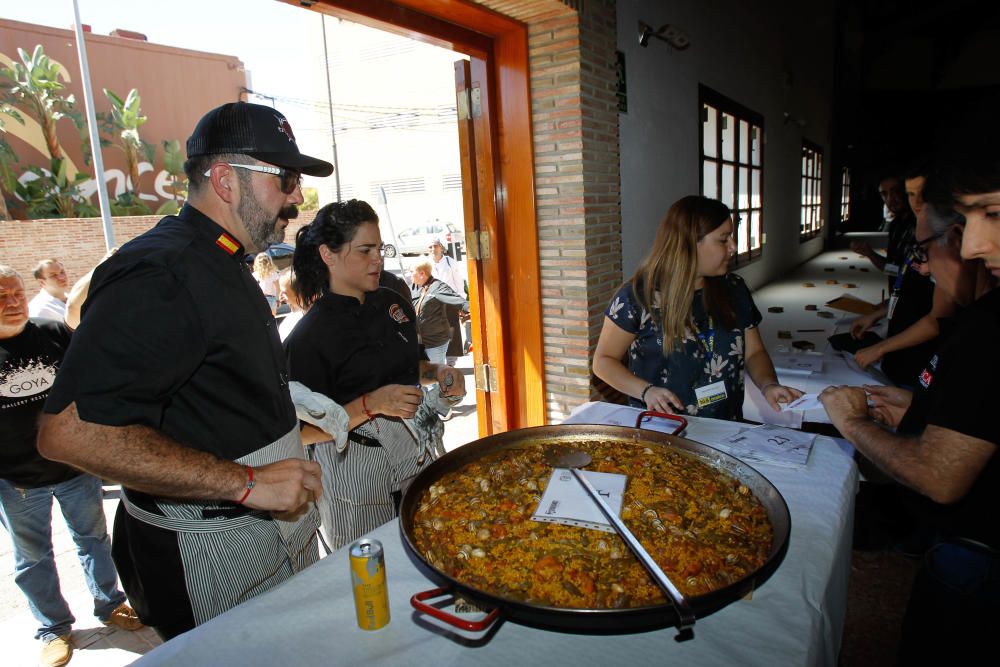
[577,174]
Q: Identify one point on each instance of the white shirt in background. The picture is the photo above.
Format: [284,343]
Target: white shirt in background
[47,306]
[449,272]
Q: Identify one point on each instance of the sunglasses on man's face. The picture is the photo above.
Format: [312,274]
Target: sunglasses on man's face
[290,180]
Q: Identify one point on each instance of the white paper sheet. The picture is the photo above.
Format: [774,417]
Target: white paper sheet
[565,500]
[798,364]
[803,403]
[769,444]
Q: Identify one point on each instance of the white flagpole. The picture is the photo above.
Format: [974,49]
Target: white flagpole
[95,140]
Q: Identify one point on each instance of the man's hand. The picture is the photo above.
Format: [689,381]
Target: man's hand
[844,404]
[451,380]
[862,248]
[862,324]
[888,404]
[396,400]
[867,356]
[283,486]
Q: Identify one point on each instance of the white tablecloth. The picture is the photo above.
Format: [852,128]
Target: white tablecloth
[807,325]
[795,618]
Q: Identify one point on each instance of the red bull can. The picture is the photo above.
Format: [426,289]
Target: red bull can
[371,596]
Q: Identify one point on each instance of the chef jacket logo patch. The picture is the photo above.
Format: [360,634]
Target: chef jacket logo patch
[396,312]
[927,375]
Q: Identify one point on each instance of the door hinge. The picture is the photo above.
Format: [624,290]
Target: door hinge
[462,101]
[478,245]
[486,378]
[476,102]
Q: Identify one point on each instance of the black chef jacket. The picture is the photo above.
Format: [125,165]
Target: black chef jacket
[176,335]
[343,348]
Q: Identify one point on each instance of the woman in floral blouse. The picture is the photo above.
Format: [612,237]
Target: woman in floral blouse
[689,326]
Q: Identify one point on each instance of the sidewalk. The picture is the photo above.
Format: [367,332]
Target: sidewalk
[99,646]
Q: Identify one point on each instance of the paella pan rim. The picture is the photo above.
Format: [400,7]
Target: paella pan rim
[587,620]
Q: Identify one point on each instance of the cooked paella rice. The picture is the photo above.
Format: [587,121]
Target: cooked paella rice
[704,528]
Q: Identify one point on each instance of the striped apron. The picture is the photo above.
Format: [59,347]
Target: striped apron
[360,481]
[229,560]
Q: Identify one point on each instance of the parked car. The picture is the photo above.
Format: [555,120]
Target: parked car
[416,240]
[281,255]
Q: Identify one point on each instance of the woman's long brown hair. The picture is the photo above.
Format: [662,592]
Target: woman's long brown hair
[671,269]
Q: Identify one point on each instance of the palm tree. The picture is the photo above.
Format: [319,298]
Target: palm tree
[8,179]
[34,86]
[124,121]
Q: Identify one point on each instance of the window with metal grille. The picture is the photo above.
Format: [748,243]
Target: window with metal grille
[845,197]
[812,191]
[732,165]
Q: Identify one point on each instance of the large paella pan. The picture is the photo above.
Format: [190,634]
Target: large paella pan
[466,522]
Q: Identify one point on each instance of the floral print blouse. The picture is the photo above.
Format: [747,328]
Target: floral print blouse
[691,366]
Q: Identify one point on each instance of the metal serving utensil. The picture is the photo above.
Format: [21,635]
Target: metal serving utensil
[573,460]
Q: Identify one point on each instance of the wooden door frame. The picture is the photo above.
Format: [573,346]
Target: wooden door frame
[503,43]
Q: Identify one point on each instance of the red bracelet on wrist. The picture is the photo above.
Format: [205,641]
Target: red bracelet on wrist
[368,413]
[250,485]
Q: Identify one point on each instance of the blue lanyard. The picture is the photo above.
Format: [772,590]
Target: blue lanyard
[708,340]
[898,285]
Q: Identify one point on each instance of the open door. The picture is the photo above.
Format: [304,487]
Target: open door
[481,231]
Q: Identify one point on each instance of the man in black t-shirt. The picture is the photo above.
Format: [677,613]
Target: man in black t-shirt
[175,385]
[945,446]
[30,353]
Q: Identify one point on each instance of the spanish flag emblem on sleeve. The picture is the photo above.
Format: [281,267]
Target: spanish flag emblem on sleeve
[227,243]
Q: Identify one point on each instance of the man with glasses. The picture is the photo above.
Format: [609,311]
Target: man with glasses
[946,432]
[175,385]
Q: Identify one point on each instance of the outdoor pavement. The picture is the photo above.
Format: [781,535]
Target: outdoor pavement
[99,646]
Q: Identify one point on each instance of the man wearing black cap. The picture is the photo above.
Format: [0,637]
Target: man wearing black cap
[175,385]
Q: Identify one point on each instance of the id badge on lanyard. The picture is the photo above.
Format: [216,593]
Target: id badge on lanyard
[715,392]
[710,394]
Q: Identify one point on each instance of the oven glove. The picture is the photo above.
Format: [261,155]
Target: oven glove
[322,412]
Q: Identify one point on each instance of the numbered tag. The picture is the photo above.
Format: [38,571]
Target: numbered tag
[710,394]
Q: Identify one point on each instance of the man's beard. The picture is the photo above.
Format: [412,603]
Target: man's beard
[262,228]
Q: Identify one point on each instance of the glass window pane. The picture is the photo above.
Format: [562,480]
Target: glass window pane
[710,186]
[754,226]
[744,142]
[756,139]
[728,137]
[744,188]
[708,132]
[755,201]
[726,196]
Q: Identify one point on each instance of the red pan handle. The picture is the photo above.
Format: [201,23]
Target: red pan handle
[472,626]
[665,415]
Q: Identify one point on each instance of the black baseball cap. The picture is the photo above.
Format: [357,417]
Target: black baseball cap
[255,130]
